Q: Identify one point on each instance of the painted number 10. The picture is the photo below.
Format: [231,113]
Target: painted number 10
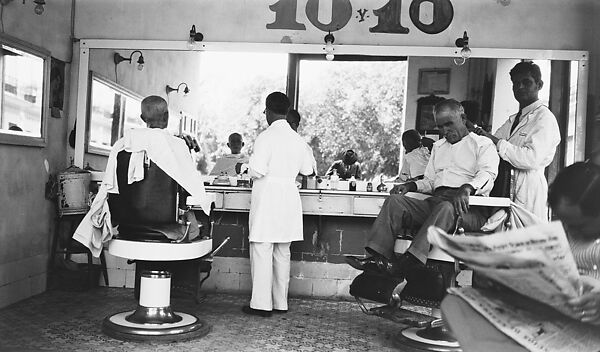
[388,16]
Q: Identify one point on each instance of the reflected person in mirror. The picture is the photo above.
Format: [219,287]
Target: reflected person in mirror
[461,164]
[416,157]
[226,163]
[347,167]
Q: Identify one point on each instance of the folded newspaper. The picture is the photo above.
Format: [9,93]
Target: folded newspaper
[535,262]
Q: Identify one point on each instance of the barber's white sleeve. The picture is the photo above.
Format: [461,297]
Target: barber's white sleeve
[539,145]
[259,161]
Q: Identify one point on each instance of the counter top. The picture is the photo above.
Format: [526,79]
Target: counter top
[302,191]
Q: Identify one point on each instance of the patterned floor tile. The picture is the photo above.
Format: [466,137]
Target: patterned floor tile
[71,321]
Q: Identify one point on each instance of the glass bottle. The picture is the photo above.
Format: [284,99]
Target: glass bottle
[352,185]
[382,187]
[369,187]
[334,180]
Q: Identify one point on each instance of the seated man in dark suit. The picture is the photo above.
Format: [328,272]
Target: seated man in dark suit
[461,164]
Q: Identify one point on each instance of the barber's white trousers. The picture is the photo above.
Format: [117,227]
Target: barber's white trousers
[270,270]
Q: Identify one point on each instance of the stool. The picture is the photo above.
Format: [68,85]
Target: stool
[153,319]
[66,246]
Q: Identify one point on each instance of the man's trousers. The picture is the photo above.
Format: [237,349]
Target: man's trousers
[270,270]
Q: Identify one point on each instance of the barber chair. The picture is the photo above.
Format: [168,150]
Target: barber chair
[150,235]
[425,287]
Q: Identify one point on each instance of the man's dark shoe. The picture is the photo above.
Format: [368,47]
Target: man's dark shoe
[258,312]
[356,262]
[404,264]
[279,311]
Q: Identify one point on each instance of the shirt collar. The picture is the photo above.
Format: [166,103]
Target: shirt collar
[280,123]
[529,108]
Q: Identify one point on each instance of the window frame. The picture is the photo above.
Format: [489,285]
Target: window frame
[21,139]
[96,149]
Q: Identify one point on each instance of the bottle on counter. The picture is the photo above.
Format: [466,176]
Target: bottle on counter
[352,184]
[382,187]
[334,180]
[369,187]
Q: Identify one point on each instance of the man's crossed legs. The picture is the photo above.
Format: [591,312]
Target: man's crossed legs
[399,213]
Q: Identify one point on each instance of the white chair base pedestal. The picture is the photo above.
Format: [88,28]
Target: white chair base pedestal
[428,339]
[154,320]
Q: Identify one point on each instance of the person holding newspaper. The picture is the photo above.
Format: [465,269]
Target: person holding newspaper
[574,196]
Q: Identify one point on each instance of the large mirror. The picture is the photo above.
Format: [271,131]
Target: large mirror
[359,102]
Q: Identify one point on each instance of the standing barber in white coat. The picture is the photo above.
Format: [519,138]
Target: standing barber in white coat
[279,155]
[528,140]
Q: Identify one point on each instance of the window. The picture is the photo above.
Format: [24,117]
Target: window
[23,71]
[113,110]
[232,92]
[354,104]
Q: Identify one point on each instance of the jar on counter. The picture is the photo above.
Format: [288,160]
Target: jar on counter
[369,187]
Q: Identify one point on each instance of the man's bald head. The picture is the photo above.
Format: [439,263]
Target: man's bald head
[155,112]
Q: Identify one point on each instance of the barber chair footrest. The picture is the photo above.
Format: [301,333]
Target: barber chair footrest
[402,316]
[429,339]
[189,327]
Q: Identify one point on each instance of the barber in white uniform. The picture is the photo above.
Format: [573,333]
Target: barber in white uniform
[279,155]
[528,140]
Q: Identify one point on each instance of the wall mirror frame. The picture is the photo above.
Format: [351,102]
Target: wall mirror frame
[575,151]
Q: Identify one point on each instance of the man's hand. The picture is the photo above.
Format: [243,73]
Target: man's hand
[404,188]
[191,142]
[461,199]
[480,131]
[587,305]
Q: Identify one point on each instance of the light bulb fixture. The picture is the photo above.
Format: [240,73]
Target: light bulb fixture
[185,90]
[465,52]
[194,37]
[38,9]
[140,62]
[329,40]
[39,6]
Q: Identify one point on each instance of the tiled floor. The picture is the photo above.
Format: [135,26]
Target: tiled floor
[71,321]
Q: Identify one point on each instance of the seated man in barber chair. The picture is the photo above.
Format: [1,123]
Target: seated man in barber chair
[143,210]
[461,164]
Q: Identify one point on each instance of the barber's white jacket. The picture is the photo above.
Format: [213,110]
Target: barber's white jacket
[279,155]
[530,148]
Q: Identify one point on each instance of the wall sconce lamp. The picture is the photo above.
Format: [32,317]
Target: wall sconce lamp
[329,39]
[118,59]
[194,37]
[465,52]
[185,90]
[38,9]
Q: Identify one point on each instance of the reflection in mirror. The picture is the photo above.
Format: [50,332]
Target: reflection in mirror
[113,110]
[22,78]
[354,102]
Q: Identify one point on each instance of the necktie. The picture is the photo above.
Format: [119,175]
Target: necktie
[515,122]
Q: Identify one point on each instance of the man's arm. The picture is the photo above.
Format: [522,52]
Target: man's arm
[258,165]
[540,145]
[487,167]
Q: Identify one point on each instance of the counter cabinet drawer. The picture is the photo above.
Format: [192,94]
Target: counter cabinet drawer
[218,199]
[368,205]
[237,201]
[316,204]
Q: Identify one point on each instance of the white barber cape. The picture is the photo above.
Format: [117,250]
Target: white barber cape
[170,153]
[279,155]
[530,148]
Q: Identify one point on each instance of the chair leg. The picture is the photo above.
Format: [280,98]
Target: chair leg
[103,265]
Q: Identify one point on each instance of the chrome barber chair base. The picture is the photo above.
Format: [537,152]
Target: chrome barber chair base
[428,339]
[189,327]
